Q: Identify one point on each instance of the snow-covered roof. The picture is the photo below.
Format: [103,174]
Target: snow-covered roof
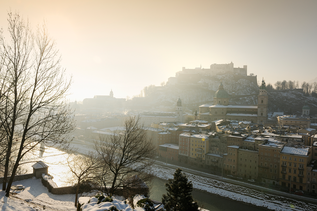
[172,128]
[214,155]
[200,136]
[240,114]
[185,134]
[245,122]
[39,165]
[172,146]
[295,151]
[199,121]
[205,105]
[233,136]
[249,139]
[232,106]
[234,146]
[164,133]
[277,114]
[272,144]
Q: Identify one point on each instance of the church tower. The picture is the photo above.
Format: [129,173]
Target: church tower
[221,96]
[111,93]
[262,104]
[305,110]
[179,110]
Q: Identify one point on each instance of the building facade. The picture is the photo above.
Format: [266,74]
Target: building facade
[222,110]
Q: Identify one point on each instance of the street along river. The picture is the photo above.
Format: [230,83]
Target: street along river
[205,200]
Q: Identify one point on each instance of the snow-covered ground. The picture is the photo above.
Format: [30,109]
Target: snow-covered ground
[35,197]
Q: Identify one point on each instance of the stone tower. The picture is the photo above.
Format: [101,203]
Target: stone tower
[179,110]
[305,110]
[262,104]
[111,93]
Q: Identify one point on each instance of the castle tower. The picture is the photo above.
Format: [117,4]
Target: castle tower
[305,110]
[179,110]
[262,104]
[111,93]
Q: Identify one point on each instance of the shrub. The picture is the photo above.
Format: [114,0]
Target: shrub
[147,204]
[113,208]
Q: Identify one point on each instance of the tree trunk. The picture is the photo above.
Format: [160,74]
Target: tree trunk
[16,165]
[77,190]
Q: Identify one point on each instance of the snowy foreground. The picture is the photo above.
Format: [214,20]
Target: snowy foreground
[237,192]
[35,197]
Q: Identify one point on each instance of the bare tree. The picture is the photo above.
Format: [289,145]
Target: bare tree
[278,85]
[284,85]
[125,154]
[83,168]
[291,84]
[35,109]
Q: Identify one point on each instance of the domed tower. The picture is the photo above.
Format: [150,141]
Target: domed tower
[262,104]
[305,110]
[179,110]
[221,96]
[111,93]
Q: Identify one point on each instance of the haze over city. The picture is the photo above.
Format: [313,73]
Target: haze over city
[127,45]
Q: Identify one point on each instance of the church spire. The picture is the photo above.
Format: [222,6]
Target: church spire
[111,93]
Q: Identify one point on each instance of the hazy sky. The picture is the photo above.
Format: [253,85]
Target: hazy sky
[127,45]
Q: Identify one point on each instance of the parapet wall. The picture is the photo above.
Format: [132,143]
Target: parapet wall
[19,177]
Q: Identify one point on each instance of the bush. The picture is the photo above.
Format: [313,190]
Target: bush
[102,198]
[113,208]
[147,204]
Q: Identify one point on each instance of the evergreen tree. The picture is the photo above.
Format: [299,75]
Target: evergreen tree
[178,197]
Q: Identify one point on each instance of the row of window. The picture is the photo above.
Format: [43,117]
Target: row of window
[295,159]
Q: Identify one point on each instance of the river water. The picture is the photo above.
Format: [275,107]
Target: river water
[57,162]
[205,200]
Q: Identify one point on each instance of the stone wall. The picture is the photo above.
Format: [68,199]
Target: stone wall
[52,187]
[19,177]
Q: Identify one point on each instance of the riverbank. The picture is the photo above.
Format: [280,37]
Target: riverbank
[201,182]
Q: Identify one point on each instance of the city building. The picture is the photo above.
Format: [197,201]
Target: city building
[198,148]
[230,160]
[294,163]
[222,110]
[248,164]
[269,161]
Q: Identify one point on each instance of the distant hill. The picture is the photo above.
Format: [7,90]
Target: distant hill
[197,87]
[291,101]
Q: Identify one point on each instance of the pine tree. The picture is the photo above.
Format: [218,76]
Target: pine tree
[178,197]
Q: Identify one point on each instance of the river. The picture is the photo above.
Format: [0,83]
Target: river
[57,162]
[205,200]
